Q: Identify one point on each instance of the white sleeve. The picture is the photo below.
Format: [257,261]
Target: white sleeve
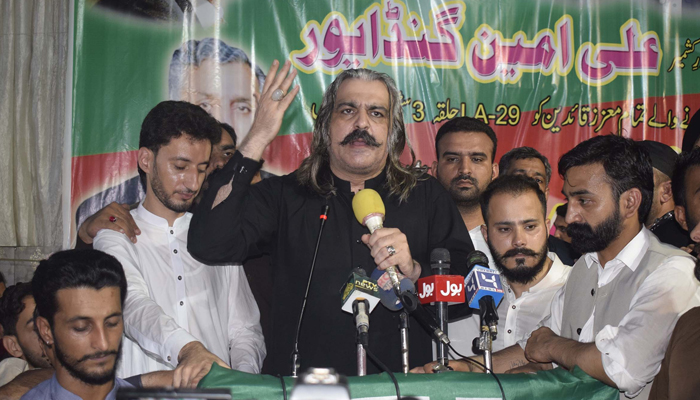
[632,351]
[551,320]
[246,342]
[145,322]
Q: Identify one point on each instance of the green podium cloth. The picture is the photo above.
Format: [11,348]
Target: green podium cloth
[556,384]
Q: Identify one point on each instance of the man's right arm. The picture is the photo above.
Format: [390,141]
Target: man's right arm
[146,323]
[233,222]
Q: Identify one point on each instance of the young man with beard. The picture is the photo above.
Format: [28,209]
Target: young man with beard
[514,210]
[661,220]
[179,314]
[623,297]
[465,149]
[79,298]
[529,162]
[686,193]
[21,341]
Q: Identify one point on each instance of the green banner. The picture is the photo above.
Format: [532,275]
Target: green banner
[546,74]
[545,385]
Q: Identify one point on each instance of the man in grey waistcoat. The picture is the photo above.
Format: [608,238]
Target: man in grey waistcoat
[615,315]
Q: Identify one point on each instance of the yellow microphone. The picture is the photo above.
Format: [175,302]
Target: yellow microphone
[369,211]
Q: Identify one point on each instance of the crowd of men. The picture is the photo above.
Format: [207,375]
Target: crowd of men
[163,296]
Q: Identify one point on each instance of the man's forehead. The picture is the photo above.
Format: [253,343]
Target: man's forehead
[528,164]
[466,142]
[502,207]
[363,93]
[212,78]
[85,302]
[590,177]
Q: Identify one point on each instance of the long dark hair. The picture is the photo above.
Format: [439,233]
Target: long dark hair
[400,179]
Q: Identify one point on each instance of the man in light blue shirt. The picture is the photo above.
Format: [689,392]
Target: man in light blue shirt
[79,296]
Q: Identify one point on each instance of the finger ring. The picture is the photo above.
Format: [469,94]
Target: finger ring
[391,250]
[112,218]
[278,95]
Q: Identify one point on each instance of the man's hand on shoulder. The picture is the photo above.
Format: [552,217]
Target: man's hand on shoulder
[389,247]
[115,217]
[194,362]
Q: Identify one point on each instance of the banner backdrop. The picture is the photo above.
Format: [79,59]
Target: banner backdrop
[543,73]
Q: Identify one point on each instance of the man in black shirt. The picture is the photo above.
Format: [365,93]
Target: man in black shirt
[661,219]
[358,138]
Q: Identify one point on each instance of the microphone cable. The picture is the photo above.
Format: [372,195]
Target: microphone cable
[295,353]
[467,359]
[385,369]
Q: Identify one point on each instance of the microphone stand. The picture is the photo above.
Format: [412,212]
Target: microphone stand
[296,363]
[403,328]
[489,329]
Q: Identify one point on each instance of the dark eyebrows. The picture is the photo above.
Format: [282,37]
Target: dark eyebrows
[511,223]
[346,103]
[228,147]
[578,192]
[522,171]
[374,107]
[180,158]
[467,153]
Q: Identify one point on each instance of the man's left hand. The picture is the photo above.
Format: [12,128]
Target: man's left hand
[539,345]
[380,243]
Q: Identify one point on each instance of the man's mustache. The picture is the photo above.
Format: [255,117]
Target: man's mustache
[465,177]
[99,355]
[360,134]
[519,252]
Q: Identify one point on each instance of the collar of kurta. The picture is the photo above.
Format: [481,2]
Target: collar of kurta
[375,183]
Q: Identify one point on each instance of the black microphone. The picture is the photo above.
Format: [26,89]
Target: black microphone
[415,308]
[440,265]
[295,358]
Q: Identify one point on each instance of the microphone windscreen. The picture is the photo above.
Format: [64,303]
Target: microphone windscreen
[367,202]
[477,257]
[440,256]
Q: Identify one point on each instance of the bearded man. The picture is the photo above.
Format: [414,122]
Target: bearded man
[616,312]
[179,314]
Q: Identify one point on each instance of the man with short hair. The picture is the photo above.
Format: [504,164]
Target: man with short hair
[179,313]
[79,298]
[529,162]
[21,341]
[466,148]
[514,210]
[217,77]
[661,221]
[686,192]
[626,279]
[358,139]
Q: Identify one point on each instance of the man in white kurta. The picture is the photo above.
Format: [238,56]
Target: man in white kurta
[173,300]
[179,313]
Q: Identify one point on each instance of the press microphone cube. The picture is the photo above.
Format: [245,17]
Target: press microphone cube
[483,282]
[359,286]
[442,288]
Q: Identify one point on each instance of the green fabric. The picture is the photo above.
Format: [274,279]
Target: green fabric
[555,384]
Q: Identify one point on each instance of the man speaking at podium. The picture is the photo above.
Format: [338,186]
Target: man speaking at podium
[358,138]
